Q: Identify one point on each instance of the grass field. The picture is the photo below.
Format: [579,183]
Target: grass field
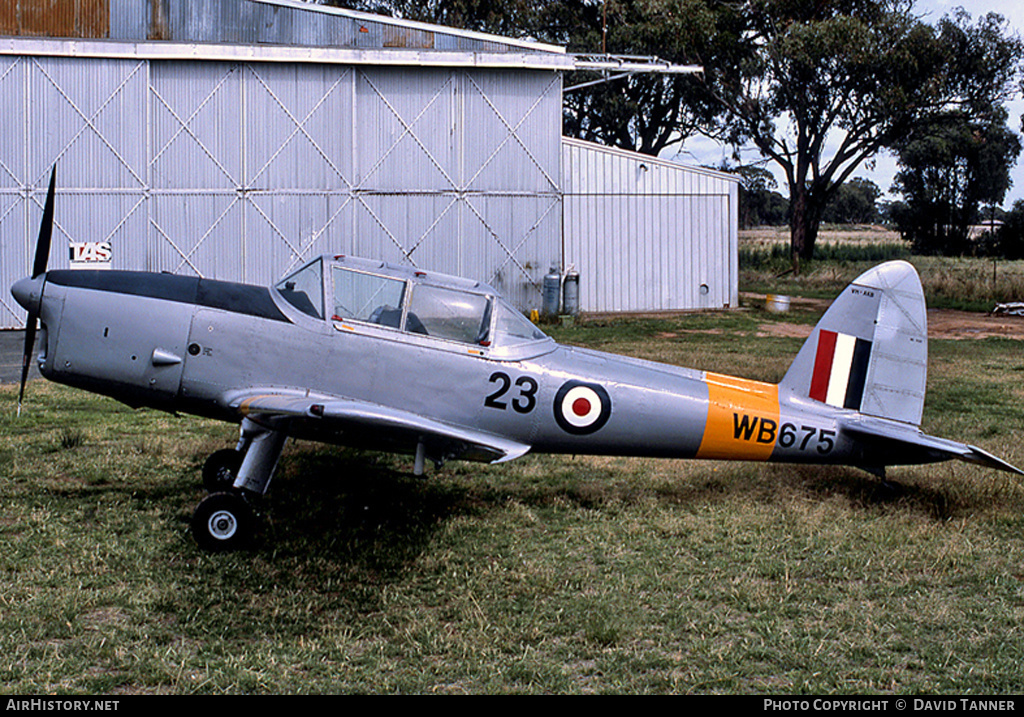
[843,252]
[546,575]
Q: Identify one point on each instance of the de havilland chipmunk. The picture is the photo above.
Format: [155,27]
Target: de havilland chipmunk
[363,353]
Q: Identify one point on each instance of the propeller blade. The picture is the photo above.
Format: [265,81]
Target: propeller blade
[45,229]
[26,359]
[38,267]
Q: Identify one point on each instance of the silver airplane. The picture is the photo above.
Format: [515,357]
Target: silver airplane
[357,352]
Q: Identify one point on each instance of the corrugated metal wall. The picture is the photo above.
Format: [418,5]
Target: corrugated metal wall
[648,235]
[55,18]
[241,171]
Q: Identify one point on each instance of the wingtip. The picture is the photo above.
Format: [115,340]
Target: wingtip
[984,458]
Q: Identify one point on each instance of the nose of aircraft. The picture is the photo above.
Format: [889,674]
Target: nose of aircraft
[28,292]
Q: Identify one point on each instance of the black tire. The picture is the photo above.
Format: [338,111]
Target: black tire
[221,469]
[223,522]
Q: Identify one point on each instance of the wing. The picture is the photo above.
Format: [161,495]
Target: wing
[376,424]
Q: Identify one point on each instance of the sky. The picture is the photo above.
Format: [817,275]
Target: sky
[708,153]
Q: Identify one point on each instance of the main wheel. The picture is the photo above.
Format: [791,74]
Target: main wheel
[221,469]
[222,522]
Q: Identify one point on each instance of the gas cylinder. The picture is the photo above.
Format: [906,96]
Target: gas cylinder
[571,293]
[552,290]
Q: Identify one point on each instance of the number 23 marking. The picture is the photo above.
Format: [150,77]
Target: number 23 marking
[523,403]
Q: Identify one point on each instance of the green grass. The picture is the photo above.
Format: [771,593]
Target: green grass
[546,575]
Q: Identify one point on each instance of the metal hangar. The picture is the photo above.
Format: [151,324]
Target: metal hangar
[234,139]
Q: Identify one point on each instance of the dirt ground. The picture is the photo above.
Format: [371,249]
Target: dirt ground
[947,324]
[942,323]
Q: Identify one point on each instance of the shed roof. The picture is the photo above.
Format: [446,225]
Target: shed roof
[276,30]
[248,22]
[255,30]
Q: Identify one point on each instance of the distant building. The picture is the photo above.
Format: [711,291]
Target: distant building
[977,231]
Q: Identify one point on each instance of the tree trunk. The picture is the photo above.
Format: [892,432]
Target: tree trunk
[805,218]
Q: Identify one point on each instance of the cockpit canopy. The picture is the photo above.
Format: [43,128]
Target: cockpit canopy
[411,302]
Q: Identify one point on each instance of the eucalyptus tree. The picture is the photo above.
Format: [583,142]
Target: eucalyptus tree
[960,158]
[827,85]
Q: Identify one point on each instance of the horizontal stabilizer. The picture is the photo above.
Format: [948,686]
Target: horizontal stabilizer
[896,443]
[442,440]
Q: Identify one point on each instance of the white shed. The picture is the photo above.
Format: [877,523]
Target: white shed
[646,234]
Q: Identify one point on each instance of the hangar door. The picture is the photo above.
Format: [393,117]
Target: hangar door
[242,171]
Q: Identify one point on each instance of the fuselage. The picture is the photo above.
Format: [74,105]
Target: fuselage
[186,344]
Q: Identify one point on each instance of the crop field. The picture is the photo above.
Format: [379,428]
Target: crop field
[550,574]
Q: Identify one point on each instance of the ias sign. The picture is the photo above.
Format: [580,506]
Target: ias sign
[91,254]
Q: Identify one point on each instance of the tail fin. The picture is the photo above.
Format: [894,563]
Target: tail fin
[869,352]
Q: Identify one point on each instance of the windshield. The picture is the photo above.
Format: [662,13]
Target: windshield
[511,328]
[305,289]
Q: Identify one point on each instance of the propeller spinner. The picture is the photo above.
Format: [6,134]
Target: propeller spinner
[29,291]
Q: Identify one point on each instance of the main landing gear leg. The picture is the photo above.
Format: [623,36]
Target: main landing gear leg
[225,519]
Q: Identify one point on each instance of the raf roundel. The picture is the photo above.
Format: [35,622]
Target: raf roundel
[582,408]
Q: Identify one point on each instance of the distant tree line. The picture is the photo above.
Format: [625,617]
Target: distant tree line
[988,231]
[761,204]
[819,88]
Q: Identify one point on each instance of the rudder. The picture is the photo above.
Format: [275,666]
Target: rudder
[869,352]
